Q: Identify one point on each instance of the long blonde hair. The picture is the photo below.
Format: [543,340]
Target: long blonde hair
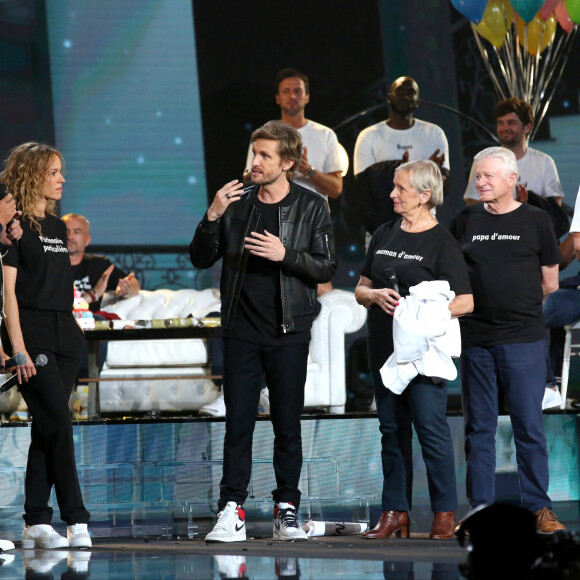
[25,172]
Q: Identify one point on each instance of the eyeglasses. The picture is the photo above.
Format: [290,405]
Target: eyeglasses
[55,171]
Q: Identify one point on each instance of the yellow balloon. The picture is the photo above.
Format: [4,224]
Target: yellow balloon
[540,33]
[495,22]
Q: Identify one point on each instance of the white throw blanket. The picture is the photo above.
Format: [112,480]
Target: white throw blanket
[424,335]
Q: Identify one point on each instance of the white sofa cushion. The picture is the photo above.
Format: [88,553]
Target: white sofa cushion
[157,353]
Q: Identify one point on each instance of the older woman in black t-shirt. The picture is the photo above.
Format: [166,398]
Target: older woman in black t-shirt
[39,321]
[417,249]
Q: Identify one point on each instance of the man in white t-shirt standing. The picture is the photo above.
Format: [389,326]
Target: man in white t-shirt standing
[402,136]
[382,147]
[537,171]
[324,160]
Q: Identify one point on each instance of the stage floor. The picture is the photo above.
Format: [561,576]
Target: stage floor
[351,557]
[320,558]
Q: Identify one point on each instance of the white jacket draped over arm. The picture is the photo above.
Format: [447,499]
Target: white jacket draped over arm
[424,335]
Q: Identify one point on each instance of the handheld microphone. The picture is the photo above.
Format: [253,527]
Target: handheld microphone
[392,279]
[40,361]
[17,360]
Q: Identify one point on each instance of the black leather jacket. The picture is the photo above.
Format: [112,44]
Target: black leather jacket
[305,231]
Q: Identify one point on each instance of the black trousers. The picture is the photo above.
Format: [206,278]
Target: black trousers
[51,456]
[284,367]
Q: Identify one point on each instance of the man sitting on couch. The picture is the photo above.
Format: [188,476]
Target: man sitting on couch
[94,275]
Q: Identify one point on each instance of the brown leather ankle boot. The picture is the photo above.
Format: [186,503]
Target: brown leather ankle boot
[443,527]
[390,523]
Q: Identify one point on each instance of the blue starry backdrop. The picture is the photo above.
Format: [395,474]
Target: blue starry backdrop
[127,117]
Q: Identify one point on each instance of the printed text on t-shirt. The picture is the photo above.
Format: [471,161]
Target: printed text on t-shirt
[55,245]
[493,237]
[403,255]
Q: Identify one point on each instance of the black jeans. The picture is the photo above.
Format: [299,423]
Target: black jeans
[245,364]
[51,456]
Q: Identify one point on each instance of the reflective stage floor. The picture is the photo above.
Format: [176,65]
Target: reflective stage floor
[346,557]
[319,558]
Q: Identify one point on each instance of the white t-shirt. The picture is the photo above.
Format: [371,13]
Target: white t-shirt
[536,170]
[324,152]
[575,227]
[380,142]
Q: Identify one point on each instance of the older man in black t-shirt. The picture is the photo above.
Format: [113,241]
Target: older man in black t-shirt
[512,254]
[94,275]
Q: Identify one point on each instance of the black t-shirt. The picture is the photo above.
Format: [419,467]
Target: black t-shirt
[87,274]
[258,317]
[416,257]
[44,279]
[504,254]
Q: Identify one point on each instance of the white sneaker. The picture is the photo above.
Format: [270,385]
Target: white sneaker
[42,536]
[42,562]
[6,545]
[231,566]
[78,536]
[552,398]
[231,525]
[286,525]
[264,404]
[215,409]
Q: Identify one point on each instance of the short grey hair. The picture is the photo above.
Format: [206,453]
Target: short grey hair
[425,175]
[510,163]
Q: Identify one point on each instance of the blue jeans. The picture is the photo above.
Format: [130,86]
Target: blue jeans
[560,308]
[422,404]
[521,371]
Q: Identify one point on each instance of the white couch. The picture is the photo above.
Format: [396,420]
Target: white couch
[325,383]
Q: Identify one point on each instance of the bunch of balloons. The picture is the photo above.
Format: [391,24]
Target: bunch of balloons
[527,53]
[492,13]
[535,20]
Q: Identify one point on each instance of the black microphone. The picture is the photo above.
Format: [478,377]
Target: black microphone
[392,279]
[18,359]
[40,361]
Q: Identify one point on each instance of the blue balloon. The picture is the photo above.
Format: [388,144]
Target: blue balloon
[527,9]
[472,9]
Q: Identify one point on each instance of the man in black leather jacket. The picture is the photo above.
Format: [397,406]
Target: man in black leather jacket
[277,245]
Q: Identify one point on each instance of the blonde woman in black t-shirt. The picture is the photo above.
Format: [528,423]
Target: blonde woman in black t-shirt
[39,321]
